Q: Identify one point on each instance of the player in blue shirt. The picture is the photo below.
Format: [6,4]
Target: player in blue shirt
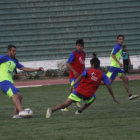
[8,64]
[116,66]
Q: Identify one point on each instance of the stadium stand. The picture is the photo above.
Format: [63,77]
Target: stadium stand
[47,29]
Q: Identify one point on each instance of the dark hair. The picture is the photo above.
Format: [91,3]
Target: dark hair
[94,55]
[80,41]
[120,36]
[96,62]
[124,46]
[11,46]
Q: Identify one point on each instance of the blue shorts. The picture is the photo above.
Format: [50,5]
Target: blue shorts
[72,80]
[113,72]
[8,88]
[77,97]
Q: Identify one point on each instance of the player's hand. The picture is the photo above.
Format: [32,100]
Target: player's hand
[120,64]
[40,69]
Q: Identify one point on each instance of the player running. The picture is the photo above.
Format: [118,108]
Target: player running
[89,83]
[8,63]
[116,65]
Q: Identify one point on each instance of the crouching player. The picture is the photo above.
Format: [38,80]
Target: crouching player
[89,82]
[8,63]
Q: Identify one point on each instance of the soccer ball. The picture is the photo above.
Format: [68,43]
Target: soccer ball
[29,111]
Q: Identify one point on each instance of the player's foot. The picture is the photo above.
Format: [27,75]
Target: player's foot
[78,112]
[48,113]
[16,117]
[23,114]
[131,97]
[77,104]
[65,109]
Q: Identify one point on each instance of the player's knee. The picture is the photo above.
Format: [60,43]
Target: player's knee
[20,97]
[125,79]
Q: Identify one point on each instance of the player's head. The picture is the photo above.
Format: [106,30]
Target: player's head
[120,39]
[12,50]
[95,62]
[79,44]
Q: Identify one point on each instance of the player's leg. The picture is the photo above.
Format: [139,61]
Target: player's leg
[16,111]
[111,75]
[8,88]
[76,103]
[88,102]
[17,103]
[126,85]
[72,98]
[60,106]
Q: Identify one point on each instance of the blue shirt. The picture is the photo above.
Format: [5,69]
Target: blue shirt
[72,57]
[7,67]
[116,49]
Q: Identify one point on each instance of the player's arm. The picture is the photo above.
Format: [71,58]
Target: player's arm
[31,69]
[3,59]
[107,82]
[115,50]
[70,68]
[21,67]
[69,61]
[78,79]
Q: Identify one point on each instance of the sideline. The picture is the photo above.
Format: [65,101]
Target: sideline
[38,83]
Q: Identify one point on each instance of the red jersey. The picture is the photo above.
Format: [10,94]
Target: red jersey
[78,64]
[90,83]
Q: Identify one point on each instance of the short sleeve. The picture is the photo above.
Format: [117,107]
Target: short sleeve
[116,49]
[105,79]
[84,72]
[71,58]
[3,58]
[18,65]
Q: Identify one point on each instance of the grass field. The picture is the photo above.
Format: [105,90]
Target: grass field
[103,120]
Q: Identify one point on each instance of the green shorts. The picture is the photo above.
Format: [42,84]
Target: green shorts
[77,97]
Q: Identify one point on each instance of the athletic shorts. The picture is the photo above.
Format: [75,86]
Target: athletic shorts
[77,97]
[72,80]
[113,72]
[8,88]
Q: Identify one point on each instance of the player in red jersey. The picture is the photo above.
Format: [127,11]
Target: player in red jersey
[76,65]
[90,81]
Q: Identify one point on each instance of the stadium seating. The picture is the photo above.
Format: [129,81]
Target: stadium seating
[44,29]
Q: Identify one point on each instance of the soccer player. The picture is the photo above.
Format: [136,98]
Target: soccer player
[89,83]
[116,65]
[8,63]
[76,65]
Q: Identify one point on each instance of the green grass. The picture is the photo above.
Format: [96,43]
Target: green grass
[103,120]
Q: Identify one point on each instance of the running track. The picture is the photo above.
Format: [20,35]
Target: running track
[35,83]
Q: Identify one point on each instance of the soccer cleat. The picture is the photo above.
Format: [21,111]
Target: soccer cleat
[65,109]
[16,117]
[48,113]
[77,104]
[77,112]
[133,97]
[23,114]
